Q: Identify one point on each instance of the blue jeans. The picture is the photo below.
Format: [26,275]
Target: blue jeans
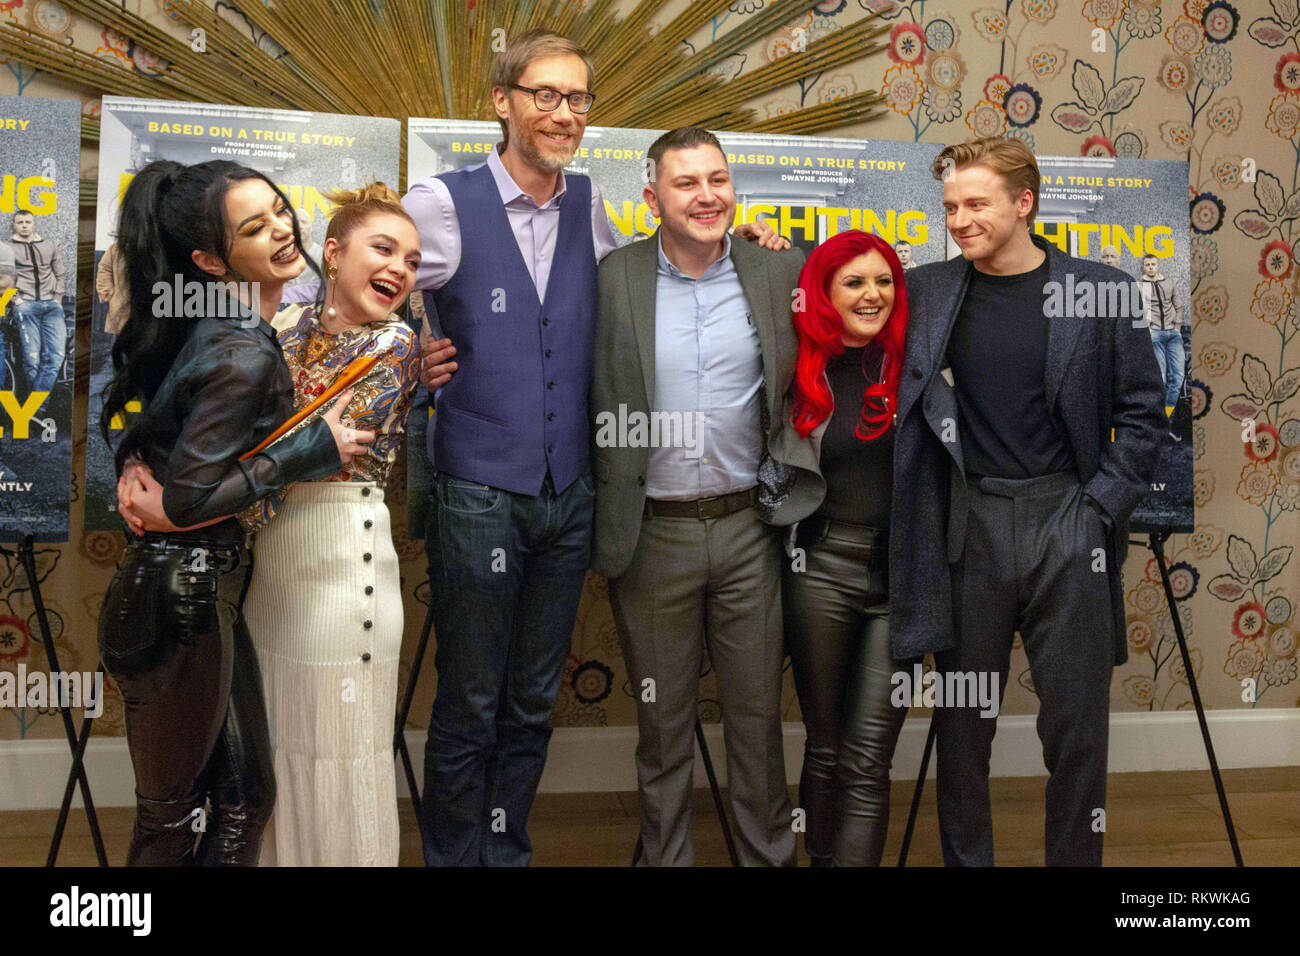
[1168,344]
[8,332]
[506,573]
[43,334]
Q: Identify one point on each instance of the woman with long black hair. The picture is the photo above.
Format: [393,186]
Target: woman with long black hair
[212,385]
[324,604]
[845,391]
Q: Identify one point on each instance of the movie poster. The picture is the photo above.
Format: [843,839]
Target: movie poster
[1132,214]
[807,188]
[39,169]
[305,154]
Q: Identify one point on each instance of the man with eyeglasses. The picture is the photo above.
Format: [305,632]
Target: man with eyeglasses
[509,516]
[510,511]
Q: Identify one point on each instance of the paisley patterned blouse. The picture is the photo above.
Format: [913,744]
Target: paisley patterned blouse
[380,403]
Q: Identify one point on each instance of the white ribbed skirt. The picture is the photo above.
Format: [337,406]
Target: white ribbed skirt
[325,613]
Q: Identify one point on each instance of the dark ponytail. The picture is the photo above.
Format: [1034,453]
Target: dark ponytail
[169,211]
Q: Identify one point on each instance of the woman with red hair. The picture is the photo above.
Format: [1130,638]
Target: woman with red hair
[850,316]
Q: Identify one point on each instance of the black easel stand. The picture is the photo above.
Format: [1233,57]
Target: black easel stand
[404,710]
[26,555]
[1156,543]
[916,794]
[400,748]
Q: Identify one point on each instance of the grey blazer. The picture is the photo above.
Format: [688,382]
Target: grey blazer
[624,374]
[1101,375]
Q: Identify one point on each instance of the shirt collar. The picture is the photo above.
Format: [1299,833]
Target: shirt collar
[509,189]
[666,266]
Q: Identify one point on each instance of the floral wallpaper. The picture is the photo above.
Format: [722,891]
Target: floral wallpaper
[1214,83]
[1140,78]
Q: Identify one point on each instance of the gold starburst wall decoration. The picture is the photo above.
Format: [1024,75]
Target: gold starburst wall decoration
[432,57]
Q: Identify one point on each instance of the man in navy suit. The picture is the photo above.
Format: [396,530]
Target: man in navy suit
[1022,363]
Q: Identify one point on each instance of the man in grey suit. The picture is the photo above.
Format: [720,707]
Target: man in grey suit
[1011,497]
[694,352]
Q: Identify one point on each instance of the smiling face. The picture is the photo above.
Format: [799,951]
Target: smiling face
[376,261]
[693,196]
[862,293]
[545,140]
[982,216]
[262,249]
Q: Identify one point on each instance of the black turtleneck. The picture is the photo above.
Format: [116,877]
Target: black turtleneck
[859,474]
[998,354]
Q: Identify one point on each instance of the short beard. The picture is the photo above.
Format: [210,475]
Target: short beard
[533,156]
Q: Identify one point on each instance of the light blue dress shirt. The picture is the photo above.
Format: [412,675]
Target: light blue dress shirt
[709,370]
[536,228]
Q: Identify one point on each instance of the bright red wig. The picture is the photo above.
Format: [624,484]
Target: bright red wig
[819,327]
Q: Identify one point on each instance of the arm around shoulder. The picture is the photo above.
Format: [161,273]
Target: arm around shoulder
[206,479]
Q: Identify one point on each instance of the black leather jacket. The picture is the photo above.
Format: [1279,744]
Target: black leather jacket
[227,390]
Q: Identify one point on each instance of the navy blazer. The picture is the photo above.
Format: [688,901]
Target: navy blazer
[1101,374]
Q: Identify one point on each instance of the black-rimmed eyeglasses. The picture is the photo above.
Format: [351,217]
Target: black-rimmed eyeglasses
[547,99]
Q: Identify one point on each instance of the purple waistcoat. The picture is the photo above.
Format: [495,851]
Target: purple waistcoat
[517,405]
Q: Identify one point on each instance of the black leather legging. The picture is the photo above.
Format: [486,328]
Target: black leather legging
[172,635]
[837,634]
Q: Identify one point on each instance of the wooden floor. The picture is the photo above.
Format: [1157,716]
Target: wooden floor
[1153,819]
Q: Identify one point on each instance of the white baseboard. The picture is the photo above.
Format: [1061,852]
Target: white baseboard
[597,759]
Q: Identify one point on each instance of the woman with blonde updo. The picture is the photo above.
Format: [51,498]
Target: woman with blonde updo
[324,607]
[325,604]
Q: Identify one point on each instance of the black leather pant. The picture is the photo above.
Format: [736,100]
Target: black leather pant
[837,634]
[173,637]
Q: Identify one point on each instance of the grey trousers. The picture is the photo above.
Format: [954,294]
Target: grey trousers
[1030,564]
[692,582]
